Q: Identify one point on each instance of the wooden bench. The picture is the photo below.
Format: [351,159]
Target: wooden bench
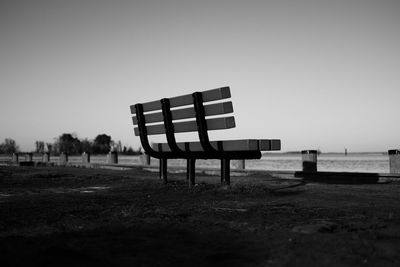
[189,113]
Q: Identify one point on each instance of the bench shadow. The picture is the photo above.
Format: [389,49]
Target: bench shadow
[339,177]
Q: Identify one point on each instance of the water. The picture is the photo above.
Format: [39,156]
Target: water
[353,162]
[363,162]
[377,162]
[356,162]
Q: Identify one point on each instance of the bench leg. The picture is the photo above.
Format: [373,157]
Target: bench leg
[191,172]
[225,172]
[163,170]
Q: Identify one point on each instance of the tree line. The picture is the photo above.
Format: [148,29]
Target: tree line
[71,144]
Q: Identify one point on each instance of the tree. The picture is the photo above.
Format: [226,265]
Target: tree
[39,146]
[49,147]
[68,143]
[87,145]
[9,146]
[131,151]
[102,144]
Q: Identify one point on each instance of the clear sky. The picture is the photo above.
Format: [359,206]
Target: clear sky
[315,74]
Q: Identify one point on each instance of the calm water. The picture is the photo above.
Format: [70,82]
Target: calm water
[326,162]
[371,162]
[377,162]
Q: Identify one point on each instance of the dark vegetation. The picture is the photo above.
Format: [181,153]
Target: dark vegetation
[9,146]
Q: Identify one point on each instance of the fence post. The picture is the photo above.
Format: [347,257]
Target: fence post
[112,157]
[241,165]
[63,159]
[309,159]
[145,159]
[394,160]
[46,157]
[15,157]
[28,156]
[86,158]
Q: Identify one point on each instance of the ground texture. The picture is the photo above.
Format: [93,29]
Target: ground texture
[52,216]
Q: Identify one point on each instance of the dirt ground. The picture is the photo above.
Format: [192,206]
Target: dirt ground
[52,216]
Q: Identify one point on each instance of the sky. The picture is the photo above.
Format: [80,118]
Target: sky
[316,74]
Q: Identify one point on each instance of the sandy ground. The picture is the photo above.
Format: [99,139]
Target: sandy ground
[51,216]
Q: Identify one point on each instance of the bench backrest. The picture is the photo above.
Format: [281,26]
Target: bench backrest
[183,115]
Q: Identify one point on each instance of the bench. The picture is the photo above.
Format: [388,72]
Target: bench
[189,113]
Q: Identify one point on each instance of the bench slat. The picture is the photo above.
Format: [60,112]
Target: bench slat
[209,95]
[228,145]
[185,113]
[191,126]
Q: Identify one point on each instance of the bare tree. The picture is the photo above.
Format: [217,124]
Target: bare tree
[9,146]
[39,146]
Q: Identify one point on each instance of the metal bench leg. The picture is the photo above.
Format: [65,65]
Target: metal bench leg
[187,169]
[163,170]
[191,172]
[225,172]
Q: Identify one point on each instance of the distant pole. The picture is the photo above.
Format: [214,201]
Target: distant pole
[63,159]
[145,159]
[394,160]
[345,151]
[46,157]
[29,156]
[241,164]
[15,157]
[309,158]
[85,158]
[112,157]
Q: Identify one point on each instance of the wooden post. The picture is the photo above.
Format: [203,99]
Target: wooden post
[63,159]
[112,157]
[15,157]
[394,160]
[85,158]
[187,170]
[145,159]
[241,165]
[28,156]
[46,157]
[309,158]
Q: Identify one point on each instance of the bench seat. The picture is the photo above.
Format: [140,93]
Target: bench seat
[226,145]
